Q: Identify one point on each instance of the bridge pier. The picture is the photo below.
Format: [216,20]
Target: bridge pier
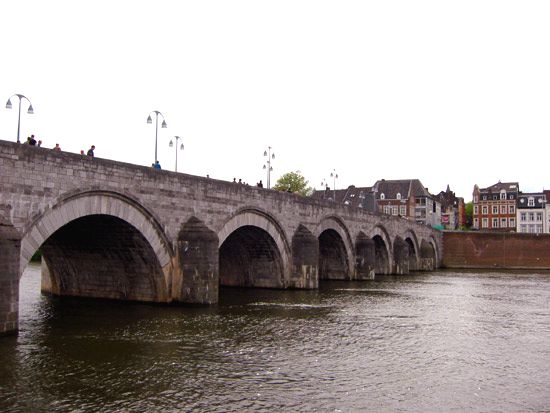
[400,257]
[365,256]
[196,275]
[305,260]
[10,245]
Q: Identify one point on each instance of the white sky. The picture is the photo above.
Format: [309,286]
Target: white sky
[448,92]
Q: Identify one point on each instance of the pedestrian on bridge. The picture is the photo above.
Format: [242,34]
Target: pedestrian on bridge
[91,151]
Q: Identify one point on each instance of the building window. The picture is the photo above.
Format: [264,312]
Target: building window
[503,223]
[523,216]
[382,196]
[476,223]
[475,199]
[403,210]
[476,210]
[523,228]
[539,216]
[495,209]
[386,209]
[502,194]
[398,195]
[531,216]
[503,209]
[495,223]
[484,209]
[394,210]
[531,201]
[485,223]
[512,222]
[484,197]
[512,209]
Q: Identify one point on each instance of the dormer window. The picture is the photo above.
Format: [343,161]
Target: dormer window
[398,195]
[503,194]
[531,201]
[382,196]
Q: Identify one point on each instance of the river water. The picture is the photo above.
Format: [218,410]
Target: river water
[432,342]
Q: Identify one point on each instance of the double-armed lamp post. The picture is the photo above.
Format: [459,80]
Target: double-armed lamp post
[29,111]
[149,120]
[181,149]
[269,168]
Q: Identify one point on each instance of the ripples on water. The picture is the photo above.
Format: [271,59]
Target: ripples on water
[443,341]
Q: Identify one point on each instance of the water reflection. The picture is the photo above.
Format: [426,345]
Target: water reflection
[444,341]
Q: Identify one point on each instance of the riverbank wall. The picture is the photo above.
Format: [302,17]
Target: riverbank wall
[496,250]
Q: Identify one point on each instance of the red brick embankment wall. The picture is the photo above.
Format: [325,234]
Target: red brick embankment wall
[496,250]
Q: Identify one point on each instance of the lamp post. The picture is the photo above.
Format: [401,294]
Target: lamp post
[269,168]
[30,111]
[181,149]
[334,176]
[324,185]
[149,120]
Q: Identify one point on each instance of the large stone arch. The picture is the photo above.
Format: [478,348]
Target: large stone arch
[266,229]
[335,225]
[95,202]
[110,207]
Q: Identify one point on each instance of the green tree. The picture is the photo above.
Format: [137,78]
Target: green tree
[469,209]
[294,182]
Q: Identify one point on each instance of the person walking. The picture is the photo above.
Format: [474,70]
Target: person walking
[91,151]
[157,165]
[32,141]
[58,148]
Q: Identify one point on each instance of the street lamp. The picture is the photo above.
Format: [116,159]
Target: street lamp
[30,111]
[181,149]
[269,168]
[334,175]
[149,120]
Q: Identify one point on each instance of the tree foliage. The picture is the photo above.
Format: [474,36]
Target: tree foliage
[293,182]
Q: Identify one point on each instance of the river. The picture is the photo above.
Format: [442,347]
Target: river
[431,342]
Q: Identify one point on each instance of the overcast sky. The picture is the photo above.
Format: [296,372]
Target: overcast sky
[447,92]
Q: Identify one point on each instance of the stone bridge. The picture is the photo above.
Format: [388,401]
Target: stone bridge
[114,230]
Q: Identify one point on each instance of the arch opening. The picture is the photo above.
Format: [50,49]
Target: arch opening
[101,256]
[249,257]
[333,261]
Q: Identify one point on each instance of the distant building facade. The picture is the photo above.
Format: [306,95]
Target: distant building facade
[494,207]
[547,212]
[531,213]
[453,210]
[407,198]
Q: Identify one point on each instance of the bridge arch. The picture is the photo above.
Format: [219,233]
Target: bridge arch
[122,240]
[253,251]
[335,249]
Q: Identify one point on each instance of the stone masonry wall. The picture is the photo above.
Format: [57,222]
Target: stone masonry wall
[496,250]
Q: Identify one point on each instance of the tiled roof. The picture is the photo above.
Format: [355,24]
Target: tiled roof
[405,187]
[507,186]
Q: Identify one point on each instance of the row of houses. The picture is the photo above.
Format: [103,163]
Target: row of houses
[406,198]
[503,207]
[500,207]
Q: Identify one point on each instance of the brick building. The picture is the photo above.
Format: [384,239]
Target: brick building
[494,207]
[407,198]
